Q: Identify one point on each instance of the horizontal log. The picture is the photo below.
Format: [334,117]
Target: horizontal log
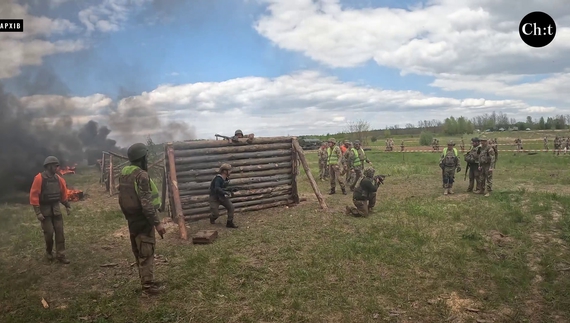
[239,169]
[197,217]
[229,150]
[235,182]
[199,192]
[227,158]
[235,163]
[194,205]
[239,205]
[224,143]
[208,178]
[205,197]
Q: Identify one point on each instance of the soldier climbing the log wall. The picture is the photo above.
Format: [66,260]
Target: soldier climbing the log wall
[219,195]
[48,190]
[139,201]
[238,134]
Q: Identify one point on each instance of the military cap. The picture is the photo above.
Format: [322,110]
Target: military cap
[137,151]
[483,138]
[51,160]
[225,167]
[332,140]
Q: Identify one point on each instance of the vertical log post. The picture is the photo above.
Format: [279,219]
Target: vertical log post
[294,172]
[312,181]
[175,194]
[164,185]
[102,166]
[111,176]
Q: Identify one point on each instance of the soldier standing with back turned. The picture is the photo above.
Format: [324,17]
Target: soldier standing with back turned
[48,190]
[139,200]
[322,153]
[334,156]
[486,166]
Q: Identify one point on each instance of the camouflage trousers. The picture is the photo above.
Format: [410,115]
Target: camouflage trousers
[53,225]
[355,177]
[215,203]
[474,178]
[323,170]
[486,178]
[448,176]
[361,208]
[334,172]
[143,246]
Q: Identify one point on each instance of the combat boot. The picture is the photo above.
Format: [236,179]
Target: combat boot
[450,189]
[347,210]
[152,290]
[49,256]
[344,191]
[333,191]
[63,259]
[212,221]
[487,194]
[231,224]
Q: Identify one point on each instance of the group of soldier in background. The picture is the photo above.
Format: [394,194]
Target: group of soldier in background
[435,144]
[481,161]
[560,143]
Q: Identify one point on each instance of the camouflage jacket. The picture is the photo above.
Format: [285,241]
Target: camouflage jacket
[322,153]
[487,156]
[472,157]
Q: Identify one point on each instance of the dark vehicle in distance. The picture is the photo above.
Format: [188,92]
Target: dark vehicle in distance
[309,143]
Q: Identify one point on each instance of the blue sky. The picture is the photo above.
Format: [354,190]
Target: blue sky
[386,62]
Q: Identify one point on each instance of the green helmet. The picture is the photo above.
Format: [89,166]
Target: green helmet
[224,167]
[238,132]
[332,140]
[137,151]
[369,172]
[51,160]
[450,143]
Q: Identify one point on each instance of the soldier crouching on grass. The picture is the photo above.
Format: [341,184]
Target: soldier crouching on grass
[449,164]
[364,196]
[139,200]
[220,196]
[48,190]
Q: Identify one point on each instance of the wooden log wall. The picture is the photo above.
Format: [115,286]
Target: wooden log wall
[117,163]
[264,172]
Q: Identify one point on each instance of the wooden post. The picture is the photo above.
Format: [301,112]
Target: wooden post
[294,171]
[177,207]
[164,185]
[301,155]
[111,176]
[102,168]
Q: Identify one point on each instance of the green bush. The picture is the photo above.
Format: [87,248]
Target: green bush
[374,139]
[426,139]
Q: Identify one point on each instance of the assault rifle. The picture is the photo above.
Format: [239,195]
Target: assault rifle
[380,178]
[234,138]
[466,170]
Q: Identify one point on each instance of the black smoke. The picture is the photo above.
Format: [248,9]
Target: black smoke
[27,137]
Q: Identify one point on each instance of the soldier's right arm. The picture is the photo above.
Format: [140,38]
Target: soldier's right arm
[368,186]
[145,195]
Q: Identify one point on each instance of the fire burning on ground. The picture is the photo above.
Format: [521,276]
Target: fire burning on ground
[72,194]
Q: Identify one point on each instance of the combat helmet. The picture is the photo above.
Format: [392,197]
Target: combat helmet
[369,172]
[238,132]
[332,140]
[224,167]
[450,143]
[51,160]
[357,142]
[137,151]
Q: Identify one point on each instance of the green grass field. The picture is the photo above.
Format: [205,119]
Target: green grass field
[420,257]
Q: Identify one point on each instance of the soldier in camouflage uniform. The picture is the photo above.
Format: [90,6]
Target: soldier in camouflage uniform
[486,166]
[238,134]
[472,159]
[449,164]
[462,145]
[323,169]
[334,158]
[518,142]
[139,201]
[358,157]
[402,146]
[219,195]
[347,161]
[47,191]
[364,196]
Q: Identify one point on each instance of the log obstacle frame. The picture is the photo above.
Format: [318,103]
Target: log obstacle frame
[115,162]
[264,170]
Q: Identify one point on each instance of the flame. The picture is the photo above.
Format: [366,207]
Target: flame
[74,195]
[67,170]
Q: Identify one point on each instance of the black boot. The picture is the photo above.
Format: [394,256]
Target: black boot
[231,224]
[333,191]
[344,191]
[212,221]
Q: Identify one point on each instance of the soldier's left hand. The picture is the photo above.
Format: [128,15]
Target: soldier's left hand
[458,169]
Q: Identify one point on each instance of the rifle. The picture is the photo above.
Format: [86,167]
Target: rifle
[226,137]
[466,170]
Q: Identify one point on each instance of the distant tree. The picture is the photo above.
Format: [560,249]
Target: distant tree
[387,133]
[409,126]
[359,130]
[541,124]
[426,138]
[374,139]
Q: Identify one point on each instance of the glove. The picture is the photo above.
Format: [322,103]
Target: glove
[227,194]
[40,217]
[458,169]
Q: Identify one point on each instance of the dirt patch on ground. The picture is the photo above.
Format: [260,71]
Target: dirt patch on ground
[499,239]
